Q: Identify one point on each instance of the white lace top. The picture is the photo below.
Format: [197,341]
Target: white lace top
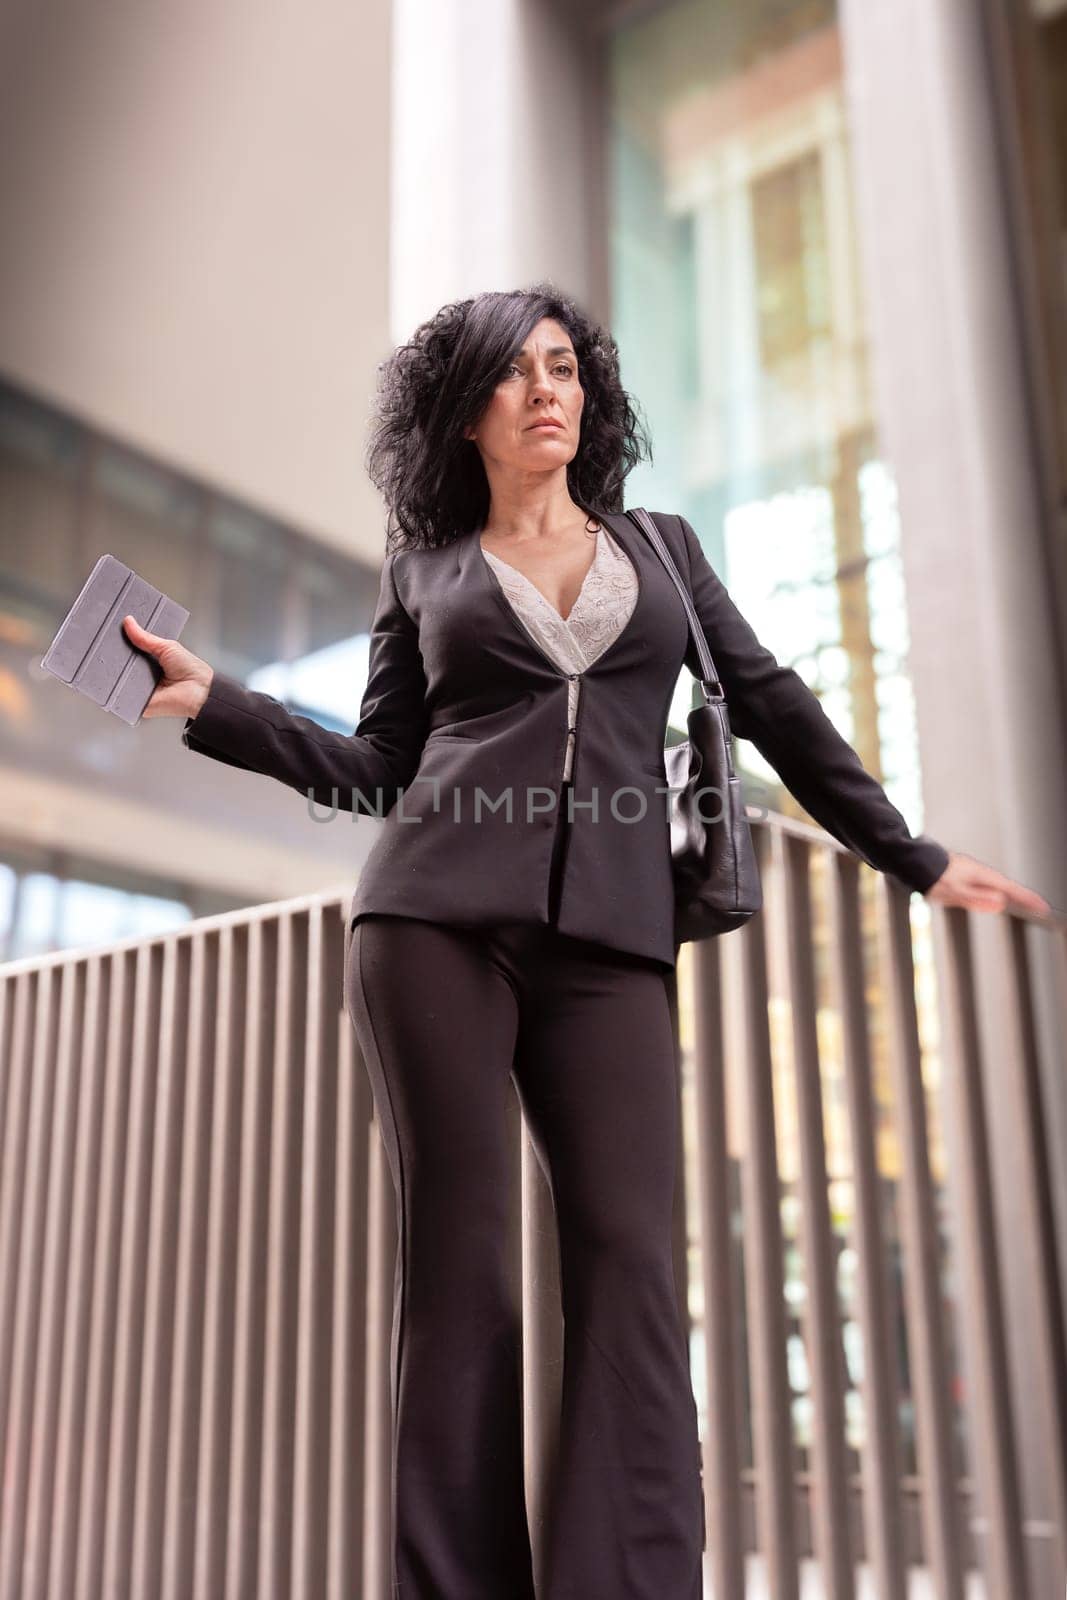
[603,608]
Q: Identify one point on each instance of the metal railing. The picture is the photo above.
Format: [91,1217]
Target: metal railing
[197,1240]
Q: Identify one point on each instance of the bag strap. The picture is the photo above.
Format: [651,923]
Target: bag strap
[709,678]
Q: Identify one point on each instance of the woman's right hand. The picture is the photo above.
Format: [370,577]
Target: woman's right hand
[186,679]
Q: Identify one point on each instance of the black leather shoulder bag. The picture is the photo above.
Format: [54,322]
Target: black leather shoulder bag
[716,876]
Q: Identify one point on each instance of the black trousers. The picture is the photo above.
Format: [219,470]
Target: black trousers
[445,1018]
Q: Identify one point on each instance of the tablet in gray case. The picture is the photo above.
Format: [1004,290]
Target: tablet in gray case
[92,653]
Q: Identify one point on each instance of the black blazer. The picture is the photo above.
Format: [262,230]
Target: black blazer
[461,738]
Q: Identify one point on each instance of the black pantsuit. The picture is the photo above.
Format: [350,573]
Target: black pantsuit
[444,1016]
[480,948]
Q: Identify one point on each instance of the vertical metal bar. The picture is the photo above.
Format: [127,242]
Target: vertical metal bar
[542,1344]
[773,1431]
[129,1324]
[121,1122]
[183,1263]
[13,1197]
[165,1551]
[982,1326]
[1046,1342]
[680,1213]
[379,1507]
[276,1513]
[181,1024]
[21,991]
[315,1261]
[1050,978]
[881,1456]
[829,1499]
[72,1451]
[348,1486]
[922,1255]
[721,1451]
[40,1091]
[176,1026]
[69,978]
[207,1359]
[235,1521]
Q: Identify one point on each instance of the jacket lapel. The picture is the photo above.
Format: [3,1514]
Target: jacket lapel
[475,573]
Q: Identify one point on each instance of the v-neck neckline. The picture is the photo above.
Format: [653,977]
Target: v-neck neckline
[557,615]
[625,533]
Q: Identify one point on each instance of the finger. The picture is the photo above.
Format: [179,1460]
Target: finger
[1017,893]
[1031,901]
[162,702]
[988,899]
[141,636]
[984,876]
[988,879]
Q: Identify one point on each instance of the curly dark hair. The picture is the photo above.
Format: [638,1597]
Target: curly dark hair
[437,384]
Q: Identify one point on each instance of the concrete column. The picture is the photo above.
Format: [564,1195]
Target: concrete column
[497,162]
[953,411]
[953,415]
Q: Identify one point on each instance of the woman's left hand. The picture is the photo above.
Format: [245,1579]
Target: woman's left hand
[969,883]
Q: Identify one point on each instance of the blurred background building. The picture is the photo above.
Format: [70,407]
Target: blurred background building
[831,240]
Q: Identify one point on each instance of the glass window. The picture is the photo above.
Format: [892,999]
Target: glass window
[251,560]
[739,311]
[7,908]
[41,459]
[740,318]
[789,261]
[267,604]
[336,597]
[95,913]
[144,515]
[42,911]
[34,932]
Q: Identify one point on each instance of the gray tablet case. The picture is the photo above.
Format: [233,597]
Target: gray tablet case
[91,651]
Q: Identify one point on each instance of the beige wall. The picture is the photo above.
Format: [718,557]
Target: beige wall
[195,205]
[216,223]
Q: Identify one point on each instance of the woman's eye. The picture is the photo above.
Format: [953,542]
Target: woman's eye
[561,366]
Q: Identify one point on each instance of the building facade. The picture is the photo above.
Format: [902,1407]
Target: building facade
[829,238]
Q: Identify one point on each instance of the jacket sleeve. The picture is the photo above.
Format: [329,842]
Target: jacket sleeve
[364,771]
[773,707]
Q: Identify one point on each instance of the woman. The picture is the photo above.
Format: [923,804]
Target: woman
[525,648]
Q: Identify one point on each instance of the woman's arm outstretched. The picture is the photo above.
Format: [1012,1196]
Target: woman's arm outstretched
[773,707]
[363,771]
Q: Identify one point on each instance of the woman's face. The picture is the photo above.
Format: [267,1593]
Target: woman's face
[539,385]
